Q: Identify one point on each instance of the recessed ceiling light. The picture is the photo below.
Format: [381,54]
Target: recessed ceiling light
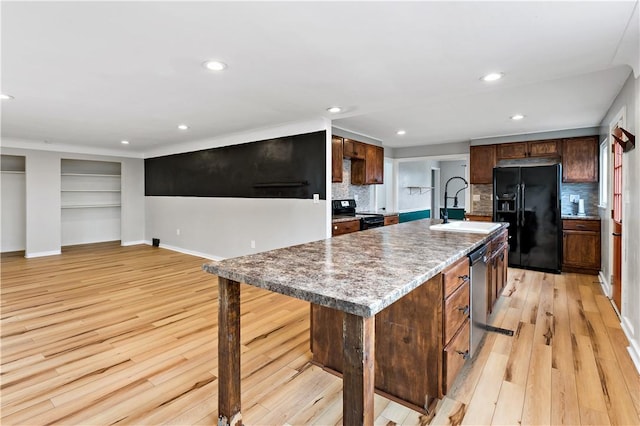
[183,127]
[401,132]
[492,76]
[5,97]
[334,109]
[215,65]
[517,117]
[124,142]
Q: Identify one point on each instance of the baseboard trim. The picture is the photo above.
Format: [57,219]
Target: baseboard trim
[606,286]
[42,254]
[633,348]
[189,252]
[133,243]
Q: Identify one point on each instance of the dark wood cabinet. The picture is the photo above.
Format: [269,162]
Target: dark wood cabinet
[580,159]
[370,170]
[497,263]
[581,246]
[336,159]
[421,341]
[546,148]
[517,150]
[511,150]
[354,149]
[477,218]
[391,220]
[346,227]
[482,161]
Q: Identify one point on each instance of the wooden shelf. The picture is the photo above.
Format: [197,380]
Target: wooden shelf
[90,206]
[419,189]
[89,174]
[90,190]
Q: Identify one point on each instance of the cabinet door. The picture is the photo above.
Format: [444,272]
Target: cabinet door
[354,149]
[581,249]
[481,163]
[547,148]
[336,159]
[580,159]
[370,170]
[341,228]
[374,163]
[511,150]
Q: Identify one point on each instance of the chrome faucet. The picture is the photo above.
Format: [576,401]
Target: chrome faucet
[445,215]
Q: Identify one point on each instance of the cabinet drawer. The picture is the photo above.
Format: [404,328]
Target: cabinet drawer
[456,311]
[581,225]
[340,228]
[455,275]
[455,355]
[391,220]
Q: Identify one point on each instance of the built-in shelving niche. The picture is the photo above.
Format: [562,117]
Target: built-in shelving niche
[90,201]
[13,230]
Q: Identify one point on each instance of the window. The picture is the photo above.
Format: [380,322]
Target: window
[604,173]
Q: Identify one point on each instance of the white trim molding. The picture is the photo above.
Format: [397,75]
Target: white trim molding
[189,252]
[633,348]
[42,254]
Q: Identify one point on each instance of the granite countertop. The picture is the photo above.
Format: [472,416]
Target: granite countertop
[336,219]
[382,212]
[576,217]
[481,213]
[360,273]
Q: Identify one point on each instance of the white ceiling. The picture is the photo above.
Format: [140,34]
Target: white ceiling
[94,73]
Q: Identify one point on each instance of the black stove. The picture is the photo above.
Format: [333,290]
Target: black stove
[342,208]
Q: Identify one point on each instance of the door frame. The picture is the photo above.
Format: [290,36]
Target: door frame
[607,282]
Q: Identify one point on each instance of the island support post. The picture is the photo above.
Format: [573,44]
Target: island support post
[229,353]
[359,358]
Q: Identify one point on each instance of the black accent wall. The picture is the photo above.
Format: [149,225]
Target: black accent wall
[287,167]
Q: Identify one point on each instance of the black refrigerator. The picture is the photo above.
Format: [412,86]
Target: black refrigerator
[529,199]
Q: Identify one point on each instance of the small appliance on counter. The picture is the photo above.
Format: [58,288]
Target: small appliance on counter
[347,208]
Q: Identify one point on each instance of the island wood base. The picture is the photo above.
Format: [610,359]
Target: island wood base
[358,358]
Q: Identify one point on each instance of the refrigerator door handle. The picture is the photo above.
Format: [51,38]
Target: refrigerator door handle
[518,205]
[522,209]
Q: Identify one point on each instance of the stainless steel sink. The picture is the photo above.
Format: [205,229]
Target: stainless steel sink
[466,226]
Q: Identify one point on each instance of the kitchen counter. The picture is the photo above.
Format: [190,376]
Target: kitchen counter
[359,273]
[382,212]
[481,213]
[576,217]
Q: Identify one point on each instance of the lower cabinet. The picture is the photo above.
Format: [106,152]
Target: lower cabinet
[391,220]
[346,227]
[497,263]
[581,246]
[421,341]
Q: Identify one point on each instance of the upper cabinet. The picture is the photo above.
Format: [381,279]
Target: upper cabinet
[354,149]
[545,148]
[370,170]
[482,162]
[367,161]
[580,159]
[336,159]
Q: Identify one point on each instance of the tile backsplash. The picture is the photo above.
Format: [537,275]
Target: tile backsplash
[344,189]
[587,191]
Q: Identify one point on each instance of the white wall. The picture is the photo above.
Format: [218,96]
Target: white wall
[449,169]
[218,228]
[414,173]
[628,98]
[43,184]
[13,210]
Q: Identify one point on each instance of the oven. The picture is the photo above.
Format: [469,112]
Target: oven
[347,208]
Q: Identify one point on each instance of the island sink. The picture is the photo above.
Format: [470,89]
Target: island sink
[466,226]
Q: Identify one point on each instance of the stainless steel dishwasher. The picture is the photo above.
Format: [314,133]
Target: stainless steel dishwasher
[478,278]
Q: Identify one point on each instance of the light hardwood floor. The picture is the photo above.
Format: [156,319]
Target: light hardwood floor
[106,334]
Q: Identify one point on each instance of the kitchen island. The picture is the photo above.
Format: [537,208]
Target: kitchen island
[358,274]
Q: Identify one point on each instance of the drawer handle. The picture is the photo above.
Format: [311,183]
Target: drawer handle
[580,226]
[464,278]
[465,354]
[616,234]
[464,309]
[335,227]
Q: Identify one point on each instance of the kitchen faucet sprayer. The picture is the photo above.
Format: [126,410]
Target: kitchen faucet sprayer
[445,215]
